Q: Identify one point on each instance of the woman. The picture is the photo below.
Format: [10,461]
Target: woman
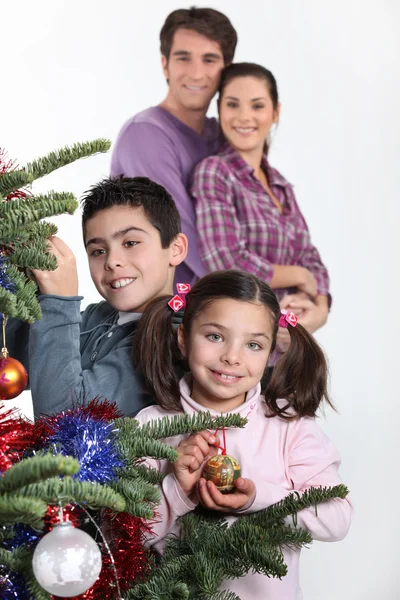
[247,214]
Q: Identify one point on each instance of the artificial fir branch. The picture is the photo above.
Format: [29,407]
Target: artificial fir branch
[208,552]
[185,424]
[181,424]
[23,240]
[45,165]
[19,509]
[14,181]
[140,497]
[139,471]
[226,595]
[162,584]
[19,213]
[139,446]
[36,469]
[295,502]
[66,155]
[137,490]
[88,493]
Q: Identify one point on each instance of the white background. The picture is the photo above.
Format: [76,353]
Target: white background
[75,70]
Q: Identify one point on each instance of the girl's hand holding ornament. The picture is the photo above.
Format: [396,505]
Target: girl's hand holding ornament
[242,494]
[193,451]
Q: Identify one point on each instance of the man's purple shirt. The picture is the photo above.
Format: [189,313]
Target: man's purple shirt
[157,145]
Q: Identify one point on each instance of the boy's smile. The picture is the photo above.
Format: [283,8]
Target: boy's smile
[127,263]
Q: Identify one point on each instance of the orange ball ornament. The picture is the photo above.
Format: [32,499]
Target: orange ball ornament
[223,470]
[13,377]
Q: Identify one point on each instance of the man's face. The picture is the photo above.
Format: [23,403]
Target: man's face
[127,263]
[193,70]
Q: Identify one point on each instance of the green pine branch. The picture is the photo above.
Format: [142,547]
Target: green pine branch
[36,469]
[45,165]
[137,447]
[23,239]
[140,496]
[163,585]
[21,304]
[14,181]
[225,595]
[142,472]
[91,494]
[20,509]
[66,155]
[36,257]
[181,424]
[16,214]
[295,502]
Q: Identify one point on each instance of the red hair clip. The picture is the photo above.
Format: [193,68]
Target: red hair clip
[178,301]
[287,318]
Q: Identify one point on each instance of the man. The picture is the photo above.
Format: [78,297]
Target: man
[165,142]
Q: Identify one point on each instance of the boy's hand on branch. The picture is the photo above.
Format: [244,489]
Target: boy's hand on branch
[211,497]
[64,280]
[193,451]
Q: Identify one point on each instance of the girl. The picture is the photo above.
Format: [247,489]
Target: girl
[247,214]
[229,328]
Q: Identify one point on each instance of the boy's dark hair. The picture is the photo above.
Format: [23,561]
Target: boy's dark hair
[300,376]
[158,205]
[205,21]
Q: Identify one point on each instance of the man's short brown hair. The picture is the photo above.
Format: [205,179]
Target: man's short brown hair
[205,21]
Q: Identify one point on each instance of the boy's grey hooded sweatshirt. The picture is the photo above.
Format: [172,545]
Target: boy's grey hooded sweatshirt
[73,357]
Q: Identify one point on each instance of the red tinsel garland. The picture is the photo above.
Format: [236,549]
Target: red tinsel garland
[8,165]
[16,435]
[127,534]
[132,561]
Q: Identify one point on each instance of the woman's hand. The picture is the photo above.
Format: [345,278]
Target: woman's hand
[211,497]
[313,314]
[193,451]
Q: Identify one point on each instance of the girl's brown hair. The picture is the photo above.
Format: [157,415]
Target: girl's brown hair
[299,378]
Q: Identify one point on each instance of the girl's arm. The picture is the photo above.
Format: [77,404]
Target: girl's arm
[312,461]
[174,504]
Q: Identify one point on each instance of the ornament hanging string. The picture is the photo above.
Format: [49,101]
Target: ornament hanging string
[4,351]
[223,448]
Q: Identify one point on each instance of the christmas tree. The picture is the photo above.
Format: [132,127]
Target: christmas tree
[23,236]
[85,465]
[99,456]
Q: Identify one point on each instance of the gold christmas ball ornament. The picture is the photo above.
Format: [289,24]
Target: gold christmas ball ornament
[223,470]
[13,377]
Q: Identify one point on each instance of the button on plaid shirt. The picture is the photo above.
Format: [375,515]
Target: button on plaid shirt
[241,228]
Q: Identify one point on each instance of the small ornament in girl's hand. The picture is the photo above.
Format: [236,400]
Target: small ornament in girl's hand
[223,470]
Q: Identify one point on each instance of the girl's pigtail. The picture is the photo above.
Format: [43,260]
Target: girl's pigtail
[300,377]
[156,353]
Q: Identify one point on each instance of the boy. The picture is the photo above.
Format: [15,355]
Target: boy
[165,142]
[132,235]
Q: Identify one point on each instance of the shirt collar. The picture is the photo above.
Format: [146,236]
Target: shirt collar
[189,405]
[243,170]
[127,317]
